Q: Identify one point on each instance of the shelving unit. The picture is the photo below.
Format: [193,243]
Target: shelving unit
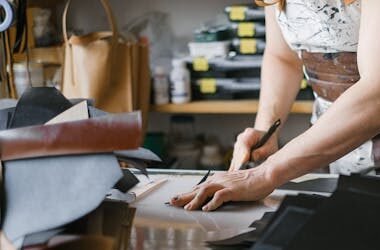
[226,107]
[49,55]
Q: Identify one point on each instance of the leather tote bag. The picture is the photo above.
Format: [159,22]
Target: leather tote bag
[106,68]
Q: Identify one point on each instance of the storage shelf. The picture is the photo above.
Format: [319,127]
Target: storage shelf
[48,55]
[226,107]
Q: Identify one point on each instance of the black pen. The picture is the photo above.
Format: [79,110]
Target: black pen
[260,143]
[204,178]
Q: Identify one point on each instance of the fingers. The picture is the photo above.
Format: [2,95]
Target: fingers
[265,151]
[242,147]
[219,198]
[183,199]
[259,154]
[202,195]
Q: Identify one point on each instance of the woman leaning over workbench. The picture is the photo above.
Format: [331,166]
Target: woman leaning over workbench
[337,44]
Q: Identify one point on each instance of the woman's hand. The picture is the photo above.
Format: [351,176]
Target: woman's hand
[244,142]
[242,185]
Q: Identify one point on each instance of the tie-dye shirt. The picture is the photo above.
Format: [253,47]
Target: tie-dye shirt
[326,26]
[321,25]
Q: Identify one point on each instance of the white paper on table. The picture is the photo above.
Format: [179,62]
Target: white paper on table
[75,113]
[309,177]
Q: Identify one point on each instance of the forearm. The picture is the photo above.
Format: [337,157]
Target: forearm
[280,83]
[351,120]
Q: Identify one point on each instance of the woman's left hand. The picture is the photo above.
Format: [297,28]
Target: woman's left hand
[242,185]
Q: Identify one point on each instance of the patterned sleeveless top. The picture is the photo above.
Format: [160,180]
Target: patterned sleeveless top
[321,25]
[326,26]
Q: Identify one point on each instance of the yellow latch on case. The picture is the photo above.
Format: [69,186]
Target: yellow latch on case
[200,64]
[246,29]
[237,13]
[208,86]
[248,46]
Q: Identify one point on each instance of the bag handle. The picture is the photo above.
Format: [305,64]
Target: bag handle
[110,17]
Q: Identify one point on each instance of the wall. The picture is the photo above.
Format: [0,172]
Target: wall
[185,14]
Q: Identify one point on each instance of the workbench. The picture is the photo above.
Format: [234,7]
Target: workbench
[159,226]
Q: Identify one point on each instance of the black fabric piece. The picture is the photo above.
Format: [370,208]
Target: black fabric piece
[349,220]
[356,183]
[322,185]
[346,220]
[304,201]
[279,235]
[5,115]
[41,237]
[246,239]
[293,213]
[37,106]
[127,182]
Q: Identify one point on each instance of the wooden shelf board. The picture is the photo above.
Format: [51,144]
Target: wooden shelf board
[226,107]
[48,55]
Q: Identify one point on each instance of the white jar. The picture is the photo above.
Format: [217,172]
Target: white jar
[160,86]
[27,75]
[211,157]
[180,80]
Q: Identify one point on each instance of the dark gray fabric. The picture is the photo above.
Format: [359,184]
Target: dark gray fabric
[94,112]
[140,153]
[45,193]
[37,106]
[5,115]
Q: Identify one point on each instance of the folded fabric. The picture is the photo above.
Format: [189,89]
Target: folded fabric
[348,219]
[55,174]
[45,193]
[37,106]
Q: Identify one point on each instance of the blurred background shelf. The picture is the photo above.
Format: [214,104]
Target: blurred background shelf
[47,55]
[226,107]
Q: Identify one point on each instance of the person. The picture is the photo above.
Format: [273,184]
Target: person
[336,43]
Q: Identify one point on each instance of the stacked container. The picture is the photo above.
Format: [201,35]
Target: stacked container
[226,58]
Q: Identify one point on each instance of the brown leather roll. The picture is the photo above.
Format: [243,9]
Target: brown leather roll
[96,135]
[330,74]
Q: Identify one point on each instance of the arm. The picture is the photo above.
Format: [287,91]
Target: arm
[281,76]
[354,117]
[351,120]
[277,94]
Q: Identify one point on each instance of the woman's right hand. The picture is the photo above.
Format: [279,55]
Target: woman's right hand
[243,144]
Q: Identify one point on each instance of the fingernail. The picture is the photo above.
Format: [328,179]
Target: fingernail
[205,208]
[187,207]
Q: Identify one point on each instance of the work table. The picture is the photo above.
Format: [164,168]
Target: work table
[160,226]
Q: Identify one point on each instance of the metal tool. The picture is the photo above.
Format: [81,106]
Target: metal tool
[260,143]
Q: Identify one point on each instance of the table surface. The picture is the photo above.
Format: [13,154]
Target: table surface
[160,226]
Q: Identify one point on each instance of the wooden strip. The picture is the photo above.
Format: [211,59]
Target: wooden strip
[226,107]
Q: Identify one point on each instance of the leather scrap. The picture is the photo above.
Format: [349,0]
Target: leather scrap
[95,135]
